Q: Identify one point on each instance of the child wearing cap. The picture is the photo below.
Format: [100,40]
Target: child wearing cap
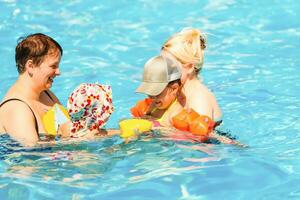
[165,102]
[161,82]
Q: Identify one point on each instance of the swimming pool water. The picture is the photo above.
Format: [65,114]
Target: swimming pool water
[251,64]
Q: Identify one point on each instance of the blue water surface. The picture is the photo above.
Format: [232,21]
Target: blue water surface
[251,64]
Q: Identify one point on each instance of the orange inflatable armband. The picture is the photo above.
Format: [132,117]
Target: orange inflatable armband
[202,125]
[182,120]
[141,107]
[193,122]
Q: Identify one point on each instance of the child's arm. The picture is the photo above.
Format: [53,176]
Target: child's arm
[109,132]
[198,138]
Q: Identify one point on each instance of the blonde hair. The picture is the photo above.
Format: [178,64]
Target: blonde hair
[187,46]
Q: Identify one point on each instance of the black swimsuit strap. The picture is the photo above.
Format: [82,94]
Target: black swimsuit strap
[48,94]
[217,123]
[35,120]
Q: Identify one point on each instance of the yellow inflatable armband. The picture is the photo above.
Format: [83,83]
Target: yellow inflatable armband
[130,127]
[54,117]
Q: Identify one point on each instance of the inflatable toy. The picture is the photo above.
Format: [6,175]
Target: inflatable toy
[131,127]
[54,117]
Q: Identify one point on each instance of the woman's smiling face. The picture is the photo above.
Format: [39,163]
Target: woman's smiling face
[48,70]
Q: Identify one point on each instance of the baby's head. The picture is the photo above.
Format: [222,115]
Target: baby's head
[89,106]
[161,81]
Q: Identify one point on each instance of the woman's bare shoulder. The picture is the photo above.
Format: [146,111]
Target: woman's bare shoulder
[17,119]
[200,92]
[2,130]
[11,93]
[203,101]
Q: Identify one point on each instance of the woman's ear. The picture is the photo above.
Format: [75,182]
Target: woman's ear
[29,67]
[175,88]
[191,69]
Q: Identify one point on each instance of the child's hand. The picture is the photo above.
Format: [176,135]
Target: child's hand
[64,129]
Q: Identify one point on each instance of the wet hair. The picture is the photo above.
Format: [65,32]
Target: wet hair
[35,47]
[175,81]
[187,46]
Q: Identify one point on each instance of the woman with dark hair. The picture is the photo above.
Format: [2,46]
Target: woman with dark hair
[27,100]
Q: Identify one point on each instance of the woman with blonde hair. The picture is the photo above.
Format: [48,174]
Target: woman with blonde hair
[187,47]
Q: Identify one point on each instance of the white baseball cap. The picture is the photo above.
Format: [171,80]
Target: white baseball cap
[158,72]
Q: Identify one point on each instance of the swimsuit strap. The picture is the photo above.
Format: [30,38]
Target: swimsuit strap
[48,94]
[14,99]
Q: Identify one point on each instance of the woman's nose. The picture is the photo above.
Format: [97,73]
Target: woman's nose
[57,72]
